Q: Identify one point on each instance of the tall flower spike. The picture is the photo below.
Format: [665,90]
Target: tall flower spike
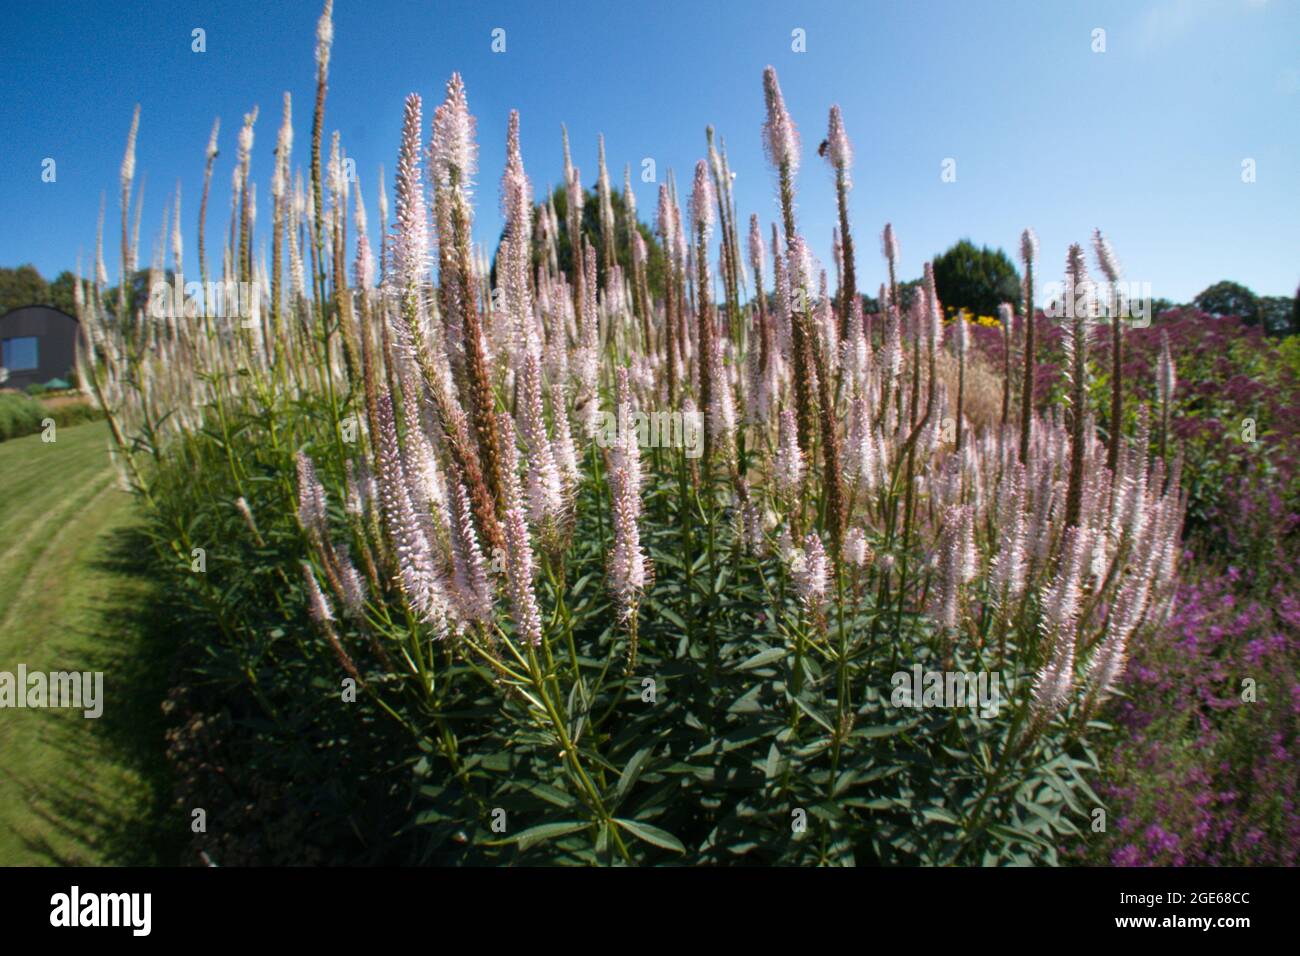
[627,561]
[961,333]
[566,454]
[1110,266]
[889,245]
[410,246]
[954,564]
[934,309]
[516,259]
[1167,376]
[721,411]
[363,272]
[311,498]
[756,252]
[839,153]
[701,208]
[178,245]
[1106,257]
[211,152]
[353,587]
[1080,299]
[545,493]
[453,151]
[857,553]
[324,37]
[418,574]
[1029,246]
[860,455]
[1008,576]
[1028,253]
[473,592]
[318,605]
[787,464]
[128,158]
[812,573]
[513,494]
[780,138]
[519,578]
[1054,682]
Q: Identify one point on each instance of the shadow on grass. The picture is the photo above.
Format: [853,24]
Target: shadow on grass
[136,650]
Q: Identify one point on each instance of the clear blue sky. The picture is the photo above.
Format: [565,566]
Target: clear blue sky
[1145,140]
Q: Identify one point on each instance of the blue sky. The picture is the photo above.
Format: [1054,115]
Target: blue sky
[1145,140]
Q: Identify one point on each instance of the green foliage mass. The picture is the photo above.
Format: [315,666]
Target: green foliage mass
[975,279]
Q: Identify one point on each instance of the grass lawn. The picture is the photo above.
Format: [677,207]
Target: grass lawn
[73,597]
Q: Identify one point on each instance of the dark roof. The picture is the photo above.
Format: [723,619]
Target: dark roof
[37,306]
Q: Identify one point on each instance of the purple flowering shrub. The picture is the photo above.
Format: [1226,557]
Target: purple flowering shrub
[1206,772]
[1237,423]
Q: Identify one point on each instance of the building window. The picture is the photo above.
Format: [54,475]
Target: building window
[19,355]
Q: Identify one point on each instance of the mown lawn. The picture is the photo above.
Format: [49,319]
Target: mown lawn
[73,597]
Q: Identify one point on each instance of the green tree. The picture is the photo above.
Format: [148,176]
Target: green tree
[1229,298]
[60,293]
[22,286]
[1276,313]
[906,292]
[656,262]
[975,279]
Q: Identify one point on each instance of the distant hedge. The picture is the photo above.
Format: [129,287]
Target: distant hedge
[22,415]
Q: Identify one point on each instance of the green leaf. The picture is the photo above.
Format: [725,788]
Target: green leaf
[670,615]
[773,764]
[940,814]
[651,834]
[888,730]
[546,831]
[630,773]
[769,656]
[1063,788]
[1012,834]
[807,709]
[748,702]
[550,794]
